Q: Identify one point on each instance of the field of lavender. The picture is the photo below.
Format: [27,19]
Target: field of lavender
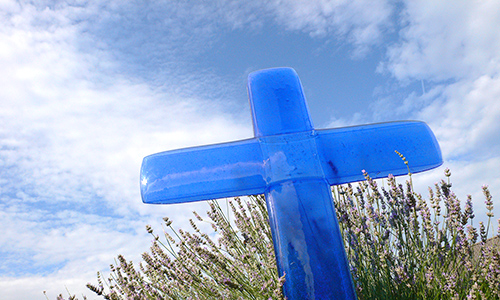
[399,245]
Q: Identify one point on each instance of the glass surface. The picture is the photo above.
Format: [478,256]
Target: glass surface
[307,241]
[294,166]
[347,151]
[291,156]
[277,102]
[201,173]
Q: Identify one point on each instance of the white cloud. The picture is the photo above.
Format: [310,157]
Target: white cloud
[362,22]
[468,120]
[72,139]
[454,46]
[65,127]
[77,115]
[447,40]
[456,41]
[355,119]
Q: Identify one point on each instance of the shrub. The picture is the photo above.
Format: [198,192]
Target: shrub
[240,264]
[399,247]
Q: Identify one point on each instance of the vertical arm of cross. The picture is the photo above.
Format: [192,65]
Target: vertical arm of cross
[306,236]
[277,103]
[301,163]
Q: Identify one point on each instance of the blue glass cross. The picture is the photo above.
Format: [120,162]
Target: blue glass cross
[294,165]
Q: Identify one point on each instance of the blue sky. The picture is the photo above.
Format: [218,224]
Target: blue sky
[88,88]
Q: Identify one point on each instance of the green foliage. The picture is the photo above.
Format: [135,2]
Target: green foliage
[239,265]
[399,247]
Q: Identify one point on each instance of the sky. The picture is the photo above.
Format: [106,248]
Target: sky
[88,88]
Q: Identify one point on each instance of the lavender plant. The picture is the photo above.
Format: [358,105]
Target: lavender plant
[240,264]
[399,247]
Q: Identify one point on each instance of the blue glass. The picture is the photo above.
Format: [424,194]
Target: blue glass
[294,166]
[200,173]
[346,151]
[277,102]
[307,240]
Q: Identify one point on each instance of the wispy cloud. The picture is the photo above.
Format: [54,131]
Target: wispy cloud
[361,22]
[448,40]
[74,131]
[89,88]
[453,47]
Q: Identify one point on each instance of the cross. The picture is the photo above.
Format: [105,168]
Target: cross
[294,165]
